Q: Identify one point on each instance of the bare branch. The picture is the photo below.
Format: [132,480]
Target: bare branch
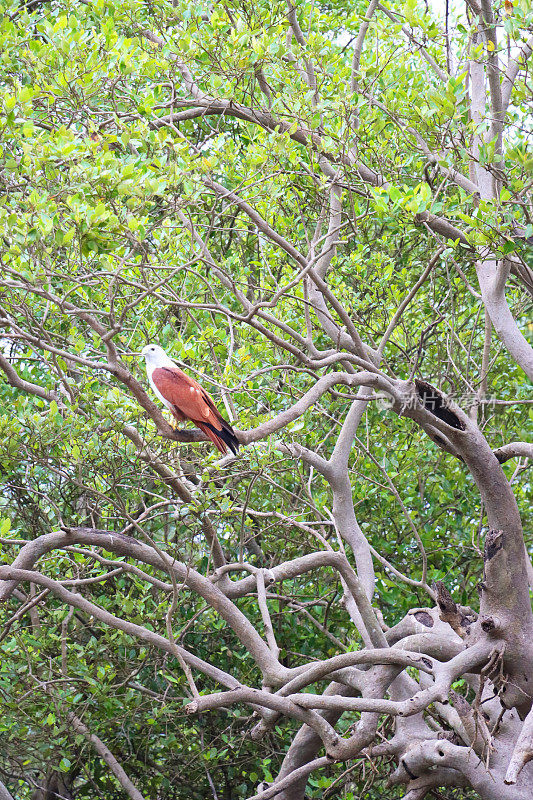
[513,68]
[32,388]
[523,750]
[514,450]
[4,794]
[359,42]
[137,631]
[107,756]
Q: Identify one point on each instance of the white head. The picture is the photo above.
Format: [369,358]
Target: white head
[156,357]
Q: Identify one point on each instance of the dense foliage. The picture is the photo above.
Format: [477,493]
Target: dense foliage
[191,174]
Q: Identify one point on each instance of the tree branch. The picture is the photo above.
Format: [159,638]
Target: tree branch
[514,450]
[19,383]
[106,755]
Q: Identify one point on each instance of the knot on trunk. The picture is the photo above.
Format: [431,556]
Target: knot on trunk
[424,618]
[493,544]
[491,625]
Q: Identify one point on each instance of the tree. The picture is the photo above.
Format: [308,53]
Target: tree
[322,211]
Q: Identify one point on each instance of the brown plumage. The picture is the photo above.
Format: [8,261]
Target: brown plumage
[187,400]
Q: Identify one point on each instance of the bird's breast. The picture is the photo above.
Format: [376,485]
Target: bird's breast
[158,393]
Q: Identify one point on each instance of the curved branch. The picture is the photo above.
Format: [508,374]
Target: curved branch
[19,383]
[523,750]
[358,46]
[311,397]
[126,546]
[4,794]
[514,450]
[513,68]
[137,631]
[493,294]
[293,777]
[317,671]
[107,756]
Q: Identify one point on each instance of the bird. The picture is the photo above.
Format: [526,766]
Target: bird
[186,400]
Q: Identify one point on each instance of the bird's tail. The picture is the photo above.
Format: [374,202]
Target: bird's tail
[221,438]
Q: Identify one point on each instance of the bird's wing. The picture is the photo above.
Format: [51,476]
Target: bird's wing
[187,396]
[187,400]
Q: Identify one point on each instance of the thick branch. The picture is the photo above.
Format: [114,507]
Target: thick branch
[4,794]
[310,398]
[136,631]
[126,546]
[513,68]
[358,46]
[514,450]
[523,751]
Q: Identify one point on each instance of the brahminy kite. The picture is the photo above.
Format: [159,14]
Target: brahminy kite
[186,399]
